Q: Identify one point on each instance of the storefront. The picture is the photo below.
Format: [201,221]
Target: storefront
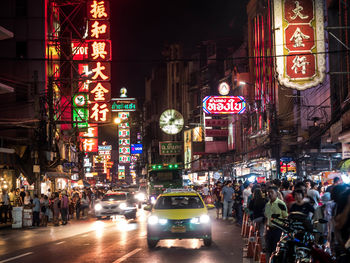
[255,169]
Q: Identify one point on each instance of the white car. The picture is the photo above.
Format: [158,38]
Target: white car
[116,203]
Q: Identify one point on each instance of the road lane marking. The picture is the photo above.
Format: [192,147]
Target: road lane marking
[59,243]
[19,256]
[126,255]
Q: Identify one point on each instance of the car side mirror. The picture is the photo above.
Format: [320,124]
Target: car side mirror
[148,208]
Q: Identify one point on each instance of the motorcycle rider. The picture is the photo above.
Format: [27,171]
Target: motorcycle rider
[275,206]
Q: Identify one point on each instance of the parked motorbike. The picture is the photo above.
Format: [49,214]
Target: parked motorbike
[298,243]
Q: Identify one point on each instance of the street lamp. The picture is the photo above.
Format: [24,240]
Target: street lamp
[117,120]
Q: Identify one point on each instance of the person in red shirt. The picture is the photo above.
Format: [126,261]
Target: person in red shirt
[217,198]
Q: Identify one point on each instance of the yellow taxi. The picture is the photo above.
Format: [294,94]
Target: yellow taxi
[178,214]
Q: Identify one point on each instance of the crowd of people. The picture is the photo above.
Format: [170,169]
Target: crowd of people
[261,201]
[56,207]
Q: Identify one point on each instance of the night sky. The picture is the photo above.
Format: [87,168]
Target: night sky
[141,28]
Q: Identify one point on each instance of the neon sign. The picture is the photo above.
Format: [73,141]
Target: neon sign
[224,104]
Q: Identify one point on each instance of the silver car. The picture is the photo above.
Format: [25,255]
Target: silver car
[116,203]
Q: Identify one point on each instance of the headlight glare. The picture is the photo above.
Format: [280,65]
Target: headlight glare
[122,206]
[162,221]
[195,220]
[140,196]
[153,200]
[204,219]
[152,220]
[98,207]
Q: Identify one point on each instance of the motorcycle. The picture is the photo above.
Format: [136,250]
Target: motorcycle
[298,243]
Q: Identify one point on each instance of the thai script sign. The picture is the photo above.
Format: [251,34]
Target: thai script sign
[224,105]
[123,104]
[300,44]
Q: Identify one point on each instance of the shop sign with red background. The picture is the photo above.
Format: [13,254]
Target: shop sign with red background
[300,45]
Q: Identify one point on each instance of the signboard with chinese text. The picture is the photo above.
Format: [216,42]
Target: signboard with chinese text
[99,112]
[123,104]
[124,158]
[100,50]
[92,132]
[80,117]
[89,144]
[224,104]
[124,150]
[98,10]
[300,43]
[124,142]
[100,91]
[170,148]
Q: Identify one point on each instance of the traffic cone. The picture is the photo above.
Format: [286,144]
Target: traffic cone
[262,258]
[257,250]
[250,251]
[243,225]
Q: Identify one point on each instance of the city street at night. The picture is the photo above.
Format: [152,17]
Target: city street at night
[174,131]
[115,241]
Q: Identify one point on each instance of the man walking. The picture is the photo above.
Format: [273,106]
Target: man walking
[5,202]
[227,193]
[36,211]
[277,207]
[64,207]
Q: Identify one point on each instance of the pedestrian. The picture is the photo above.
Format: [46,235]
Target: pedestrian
[217,198]
[77,202]
[64,207]
[22,194]
[5,202]
[45,211]
[237,204]
[313,194]
[18,199]
[300,205]
[84,204]
[342,226]
[246,193]
[257,207]
[227,197]
[26,199]
[274,206]
[56,209]
[36,210]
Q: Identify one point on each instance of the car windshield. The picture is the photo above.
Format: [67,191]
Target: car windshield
[178,202]
[114,197]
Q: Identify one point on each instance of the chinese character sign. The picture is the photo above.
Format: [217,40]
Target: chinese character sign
[99,53]
[299,43]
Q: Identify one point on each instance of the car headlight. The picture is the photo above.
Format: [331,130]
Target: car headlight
[162,221]
[204,219]
[140,196]
[152,220]
[195,220]
[122,206]
[153,200]
[98,207]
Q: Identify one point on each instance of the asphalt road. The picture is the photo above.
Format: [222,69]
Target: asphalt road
[114,241]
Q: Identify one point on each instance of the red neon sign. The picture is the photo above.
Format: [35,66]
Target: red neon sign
[100,71]
[224,105]
[99,112]
[100,50]
[98,10]
[98,29]
[100,91]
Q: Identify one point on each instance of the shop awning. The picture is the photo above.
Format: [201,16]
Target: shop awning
[53,175]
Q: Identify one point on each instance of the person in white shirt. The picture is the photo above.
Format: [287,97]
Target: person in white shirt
[4,206]
[246,193]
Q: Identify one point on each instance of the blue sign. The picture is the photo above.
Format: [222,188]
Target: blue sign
[136,148]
